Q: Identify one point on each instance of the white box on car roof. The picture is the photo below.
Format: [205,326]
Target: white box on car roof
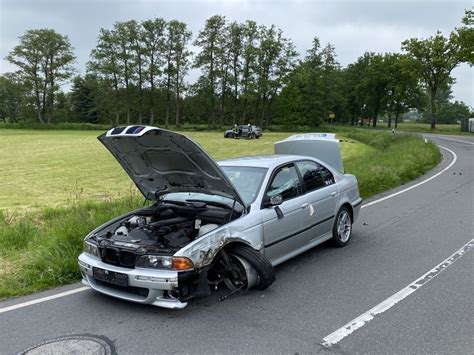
[322,146]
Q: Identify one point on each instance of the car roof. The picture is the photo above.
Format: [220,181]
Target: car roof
[263,161]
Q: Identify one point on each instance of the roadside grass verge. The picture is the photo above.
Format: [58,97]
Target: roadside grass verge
[39,246]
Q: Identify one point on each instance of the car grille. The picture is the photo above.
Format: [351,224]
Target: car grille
[139,291]
[119,257]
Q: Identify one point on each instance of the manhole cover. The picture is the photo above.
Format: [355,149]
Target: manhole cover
[74,344]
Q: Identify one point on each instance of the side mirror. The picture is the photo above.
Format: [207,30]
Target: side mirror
[275,200]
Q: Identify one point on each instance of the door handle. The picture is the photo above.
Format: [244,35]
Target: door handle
[333,194]
[304,205]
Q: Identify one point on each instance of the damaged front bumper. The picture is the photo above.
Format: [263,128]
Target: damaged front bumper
[137,285]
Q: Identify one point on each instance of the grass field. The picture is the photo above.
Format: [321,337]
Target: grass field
[50,168]
[426,128]
[56,186]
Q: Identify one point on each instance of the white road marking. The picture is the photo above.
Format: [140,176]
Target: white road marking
[67,293]
[366,317]
[455,158]
[43,299]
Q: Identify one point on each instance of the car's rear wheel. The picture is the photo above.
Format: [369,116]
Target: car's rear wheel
[342,229]
[246,268]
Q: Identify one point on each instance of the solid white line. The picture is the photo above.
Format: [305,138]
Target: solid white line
[455,158]
[43,299]
[67,293]
[366,317]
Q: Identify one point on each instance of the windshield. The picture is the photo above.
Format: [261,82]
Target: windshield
[247,180]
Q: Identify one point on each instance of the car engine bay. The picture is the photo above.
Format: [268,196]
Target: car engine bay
[161,229]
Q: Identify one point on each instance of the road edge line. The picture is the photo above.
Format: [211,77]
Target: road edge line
[360,321]
[43,299]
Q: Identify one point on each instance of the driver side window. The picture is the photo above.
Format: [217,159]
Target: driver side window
[285,183]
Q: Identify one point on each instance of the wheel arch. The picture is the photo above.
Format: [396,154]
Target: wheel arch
[349,208]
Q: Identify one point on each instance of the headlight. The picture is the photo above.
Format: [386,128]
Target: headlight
[164,262]
[91,249]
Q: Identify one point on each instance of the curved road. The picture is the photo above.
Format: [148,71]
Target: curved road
[404,285]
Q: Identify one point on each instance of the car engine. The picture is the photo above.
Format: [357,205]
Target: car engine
[161,229]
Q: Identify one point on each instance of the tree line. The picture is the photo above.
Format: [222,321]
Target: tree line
[138,72]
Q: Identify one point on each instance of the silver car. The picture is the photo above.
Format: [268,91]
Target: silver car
[211,225]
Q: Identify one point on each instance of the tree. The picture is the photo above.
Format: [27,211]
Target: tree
[104,64]
[464,36]
[212,58]
[403,91]
[45,59]
[434,59]
[83,99]
[12,97]
[249,50]
[235,46]
[124,35]
[177,64]
[153,38]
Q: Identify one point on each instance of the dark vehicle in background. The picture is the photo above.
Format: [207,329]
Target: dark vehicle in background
[243,131]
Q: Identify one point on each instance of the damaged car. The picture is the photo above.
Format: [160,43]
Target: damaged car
[210,224]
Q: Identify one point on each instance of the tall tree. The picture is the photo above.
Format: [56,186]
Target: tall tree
[105,64]
[177,64]
[249,49]
[124,32]
[235,33]
[153,38]
[434,59]
[403,91]
[212,59]
[45,60]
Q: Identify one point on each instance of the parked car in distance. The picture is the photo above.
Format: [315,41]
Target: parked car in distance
[243,131]
[212,225]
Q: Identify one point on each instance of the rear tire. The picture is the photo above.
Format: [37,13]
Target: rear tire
[260,264]
[342,229]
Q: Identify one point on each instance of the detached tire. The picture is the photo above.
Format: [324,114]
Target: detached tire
[258,262]
[342,229]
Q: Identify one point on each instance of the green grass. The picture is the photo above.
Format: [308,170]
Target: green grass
[426,128]
[56,186]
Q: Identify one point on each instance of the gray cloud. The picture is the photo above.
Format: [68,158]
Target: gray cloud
[352,26]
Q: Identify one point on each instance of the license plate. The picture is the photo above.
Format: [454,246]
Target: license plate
[112,277]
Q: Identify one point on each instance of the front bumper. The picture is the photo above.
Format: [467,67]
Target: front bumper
[151,284]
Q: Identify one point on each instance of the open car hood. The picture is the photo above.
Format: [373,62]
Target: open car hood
[161,161]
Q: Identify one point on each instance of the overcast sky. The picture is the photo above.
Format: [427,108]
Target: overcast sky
[352,26]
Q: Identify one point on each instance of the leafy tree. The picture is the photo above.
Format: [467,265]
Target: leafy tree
[464,36]
[212,58]
[249,52]
[124,33]
[12,97]
[403,91]
[434,59]
[44,58]
[177,64]
[83,99]
[153,38]
[105,65]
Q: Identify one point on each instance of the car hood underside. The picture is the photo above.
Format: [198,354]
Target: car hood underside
[161,162]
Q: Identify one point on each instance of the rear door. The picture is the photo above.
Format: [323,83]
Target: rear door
[321,194]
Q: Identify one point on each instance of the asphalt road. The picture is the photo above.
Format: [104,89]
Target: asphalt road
[395,242]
